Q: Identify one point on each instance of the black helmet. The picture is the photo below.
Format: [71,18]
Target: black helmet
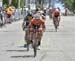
[29,14]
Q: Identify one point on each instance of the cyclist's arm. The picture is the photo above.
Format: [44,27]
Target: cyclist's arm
[31,23]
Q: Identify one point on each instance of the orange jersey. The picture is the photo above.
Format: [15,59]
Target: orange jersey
[56,13]
[9,10]
[37,22]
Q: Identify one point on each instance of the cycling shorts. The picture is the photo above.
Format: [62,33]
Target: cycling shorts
[40,29]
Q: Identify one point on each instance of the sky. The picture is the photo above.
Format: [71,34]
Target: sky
[1,4]
[58,4]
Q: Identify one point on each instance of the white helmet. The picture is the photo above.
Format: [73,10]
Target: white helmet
[37,16]
[56,9]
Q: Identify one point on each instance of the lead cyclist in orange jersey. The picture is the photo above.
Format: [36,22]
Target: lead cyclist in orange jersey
[40,23]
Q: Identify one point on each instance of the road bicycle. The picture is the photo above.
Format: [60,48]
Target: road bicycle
[35,41]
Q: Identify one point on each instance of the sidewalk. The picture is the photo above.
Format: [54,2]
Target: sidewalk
[7,27]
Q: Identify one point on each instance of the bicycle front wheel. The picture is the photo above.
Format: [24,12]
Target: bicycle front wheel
[35,44]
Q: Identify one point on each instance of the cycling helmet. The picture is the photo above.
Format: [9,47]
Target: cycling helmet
[29,14]
[56,9]
[37,16]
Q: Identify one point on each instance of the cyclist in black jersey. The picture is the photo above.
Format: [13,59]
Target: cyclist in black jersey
[25,25]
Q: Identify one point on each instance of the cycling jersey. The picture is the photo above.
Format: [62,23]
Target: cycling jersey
[27,19]
[37,23]
[9,10]
[56,13]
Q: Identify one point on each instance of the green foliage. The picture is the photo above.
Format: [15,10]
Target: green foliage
[22,4]
[5,3]
[14,3]
[70,4]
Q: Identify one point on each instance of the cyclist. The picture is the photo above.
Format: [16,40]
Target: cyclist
[56,17]
[25,25]
[41,14]
[9,12]
[40,23]
[66,11]
[50,12]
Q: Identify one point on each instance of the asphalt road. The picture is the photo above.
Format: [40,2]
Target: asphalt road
[56,46]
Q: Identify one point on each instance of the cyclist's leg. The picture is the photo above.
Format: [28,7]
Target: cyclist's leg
[25,40]
[55,22]
[26,37]
[5,18]
[31,33]
[8,18]
[40,33]
[28,33]
[58,20]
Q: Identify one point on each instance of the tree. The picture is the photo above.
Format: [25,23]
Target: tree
[70,4]
[22,3]
[15,3]
[5,3]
